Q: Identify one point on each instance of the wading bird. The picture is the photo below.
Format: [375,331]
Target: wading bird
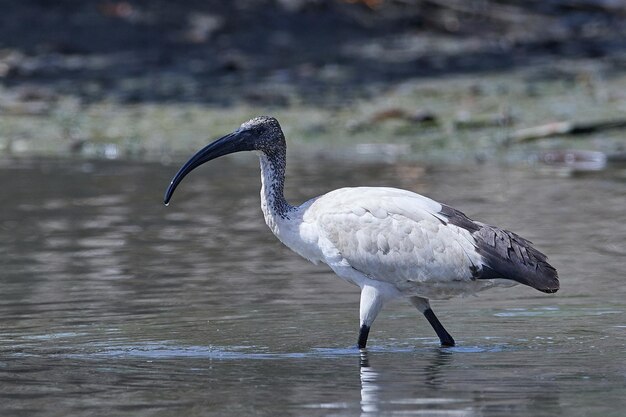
[390,242]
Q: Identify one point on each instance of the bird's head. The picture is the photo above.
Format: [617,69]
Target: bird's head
[261,134]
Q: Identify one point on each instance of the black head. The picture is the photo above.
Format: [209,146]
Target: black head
[267,135]
[261,134]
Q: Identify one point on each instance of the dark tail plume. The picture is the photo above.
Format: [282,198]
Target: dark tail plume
[506,255]
[510,256]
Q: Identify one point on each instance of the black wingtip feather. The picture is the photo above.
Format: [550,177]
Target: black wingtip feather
[512,257]
[507,255]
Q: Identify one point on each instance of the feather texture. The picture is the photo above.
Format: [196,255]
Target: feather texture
[506,254]
[399,238]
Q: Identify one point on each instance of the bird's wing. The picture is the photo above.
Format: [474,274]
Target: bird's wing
[394,236]
[505,254]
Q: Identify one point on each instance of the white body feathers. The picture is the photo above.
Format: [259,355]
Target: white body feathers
[392,239]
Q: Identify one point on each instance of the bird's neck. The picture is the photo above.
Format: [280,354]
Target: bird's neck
[273,202]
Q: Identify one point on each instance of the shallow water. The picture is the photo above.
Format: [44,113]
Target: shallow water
[112,304]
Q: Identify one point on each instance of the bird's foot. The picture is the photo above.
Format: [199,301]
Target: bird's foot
[447,342]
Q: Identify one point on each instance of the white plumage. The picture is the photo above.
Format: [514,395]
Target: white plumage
[387,235]
[390,242]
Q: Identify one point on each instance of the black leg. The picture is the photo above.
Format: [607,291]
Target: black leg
[444,336]
[363,333]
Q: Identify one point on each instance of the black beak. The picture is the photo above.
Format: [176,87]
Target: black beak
[234,142]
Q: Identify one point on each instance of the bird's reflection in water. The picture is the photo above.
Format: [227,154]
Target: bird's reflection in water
[433,373]
[372,389]
[369,386]
[389,390]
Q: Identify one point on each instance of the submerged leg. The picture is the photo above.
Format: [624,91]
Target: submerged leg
[423,306]
[364,331]
[371,303]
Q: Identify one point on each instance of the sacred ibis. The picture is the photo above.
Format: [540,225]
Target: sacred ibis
[390,242]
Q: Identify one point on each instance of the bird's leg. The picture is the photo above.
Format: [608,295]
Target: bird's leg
[364,331]
[371,303]
[444,336]
[423,306]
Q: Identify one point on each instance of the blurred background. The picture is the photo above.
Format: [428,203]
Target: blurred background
[112,304]
[439,78]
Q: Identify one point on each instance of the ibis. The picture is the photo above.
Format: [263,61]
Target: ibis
[391,243]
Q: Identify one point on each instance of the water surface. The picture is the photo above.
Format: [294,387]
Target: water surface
[112,304]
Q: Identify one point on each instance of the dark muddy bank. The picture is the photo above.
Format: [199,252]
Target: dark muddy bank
[275,52]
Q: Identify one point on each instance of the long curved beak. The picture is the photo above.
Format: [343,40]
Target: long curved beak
[233,142]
